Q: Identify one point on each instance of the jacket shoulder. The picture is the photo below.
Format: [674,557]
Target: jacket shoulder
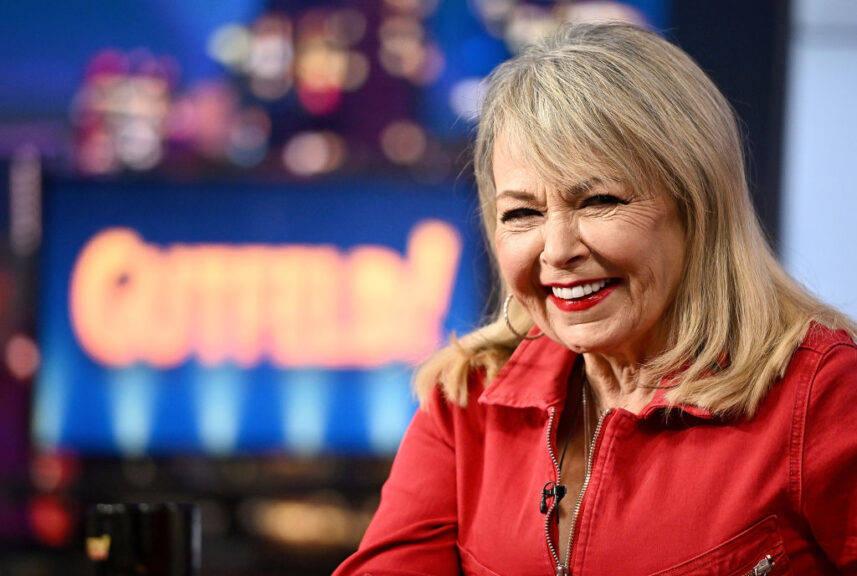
[447,413]
[821,339]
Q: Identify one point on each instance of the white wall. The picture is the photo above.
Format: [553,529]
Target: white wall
[819,205]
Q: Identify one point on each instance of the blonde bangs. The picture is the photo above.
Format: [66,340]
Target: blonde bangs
[561,133]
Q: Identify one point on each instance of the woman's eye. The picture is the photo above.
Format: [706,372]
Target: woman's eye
[603,200]
[518,214]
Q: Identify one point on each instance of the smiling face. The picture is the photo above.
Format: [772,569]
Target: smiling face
[596,263]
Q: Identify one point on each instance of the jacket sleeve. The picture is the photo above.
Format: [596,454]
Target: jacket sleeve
[414,530]
[829,479]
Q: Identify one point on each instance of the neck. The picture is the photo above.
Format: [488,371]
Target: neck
[615,383]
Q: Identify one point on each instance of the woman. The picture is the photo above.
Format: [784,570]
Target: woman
[680,405]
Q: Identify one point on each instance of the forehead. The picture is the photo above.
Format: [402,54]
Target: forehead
[522,165]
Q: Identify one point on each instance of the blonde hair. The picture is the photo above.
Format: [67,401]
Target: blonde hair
[623,102]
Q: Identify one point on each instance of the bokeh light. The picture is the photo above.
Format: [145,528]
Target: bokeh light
[312,153]
[22,356]
[120,111]
[600,11]
[230,45]
[348,25]
[526,22]
[403,142]
[325,64]
[402,52]
[419,8]
[518,23]
[248,137]
[53,471]
[270,59]
[322,520]
[465,98]
[51,520]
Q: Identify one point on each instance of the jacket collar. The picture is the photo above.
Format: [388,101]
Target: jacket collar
[536,376]
[659,405]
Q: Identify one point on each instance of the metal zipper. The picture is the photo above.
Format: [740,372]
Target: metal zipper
[563,569]
[555,501]
[764,567]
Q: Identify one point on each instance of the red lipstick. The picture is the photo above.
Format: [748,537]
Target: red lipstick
[584,303]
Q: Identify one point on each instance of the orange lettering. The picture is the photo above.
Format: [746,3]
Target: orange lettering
[294,305]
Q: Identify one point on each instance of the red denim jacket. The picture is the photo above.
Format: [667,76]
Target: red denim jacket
[686,495]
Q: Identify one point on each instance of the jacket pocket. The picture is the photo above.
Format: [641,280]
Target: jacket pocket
[757,551]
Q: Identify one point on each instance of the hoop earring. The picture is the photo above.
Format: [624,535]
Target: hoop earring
[509,323]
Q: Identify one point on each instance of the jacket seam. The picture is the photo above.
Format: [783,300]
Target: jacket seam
[797,450]
[442,435]
[442,412]
[796,437]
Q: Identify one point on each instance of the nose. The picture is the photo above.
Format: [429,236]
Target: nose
[562,242]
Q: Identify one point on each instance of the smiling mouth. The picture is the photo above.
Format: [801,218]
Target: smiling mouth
[579,291]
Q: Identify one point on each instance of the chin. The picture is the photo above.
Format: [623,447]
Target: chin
[592,337]
[579,341]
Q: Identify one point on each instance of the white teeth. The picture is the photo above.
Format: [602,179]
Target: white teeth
[578,291]
[564,293]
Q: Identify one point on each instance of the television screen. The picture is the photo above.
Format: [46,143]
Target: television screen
[228,318]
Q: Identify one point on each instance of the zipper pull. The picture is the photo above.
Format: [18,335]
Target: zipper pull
[764,566]
[561,570]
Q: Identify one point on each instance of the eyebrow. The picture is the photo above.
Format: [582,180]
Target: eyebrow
[516,195]
[574,190]
[581,187]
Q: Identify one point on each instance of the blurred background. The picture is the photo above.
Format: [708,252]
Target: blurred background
[229,230]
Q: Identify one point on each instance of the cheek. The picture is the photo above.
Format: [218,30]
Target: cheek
[648,256]
[617,244]
[516,256]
